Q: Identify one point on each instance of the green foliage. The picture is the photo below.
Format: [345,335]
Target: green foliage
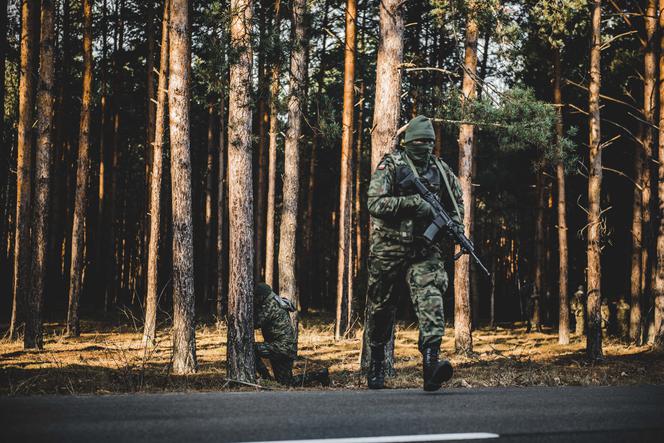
[517,121]
[557,18]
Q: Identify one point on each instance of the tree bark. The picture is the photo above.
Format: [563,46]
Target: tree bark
[151,297]
[288,230]
[345,251]
[209,204]
[270,225]
[221,209]
[649,95]
[538,268]
[45,103]
[563,316]
[240,357]
[658,292]
[184,333]
[387,108]
[594,330]
[82,180]
[23,166]
[463,341]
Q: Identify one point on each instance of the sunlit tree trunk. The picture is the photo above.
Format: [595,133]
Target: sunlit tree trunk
[184,334]
[82,180]
[210,179]
[151,297]
[46,104]
[26,94]
[240,357]
[463,341]
[658,292]
[270,226]
[291,191]
[594,330]
[220,234]
[345,255]
[649,95]
[563,317]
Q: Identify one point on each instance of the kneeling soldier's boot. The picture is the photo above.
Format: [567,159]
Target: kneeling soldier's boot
[435,372]
[376,375]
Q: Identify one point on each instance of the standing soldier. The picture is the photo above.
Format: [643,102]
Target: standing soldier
[280,344]
[398,250]
[578,308]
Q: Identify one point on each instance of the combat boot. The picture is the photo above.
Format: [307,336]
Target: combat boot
[435,372]
[376,374]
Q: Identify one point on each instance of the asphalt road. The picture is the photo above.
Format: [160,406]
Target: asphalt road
[507,414]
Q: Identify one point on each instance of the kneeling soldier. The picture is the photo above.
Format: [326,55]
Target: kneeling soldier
[271,315]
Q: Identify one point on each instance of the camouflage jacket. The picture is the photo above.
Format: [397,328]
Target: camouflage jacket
[276,327]
[392,209]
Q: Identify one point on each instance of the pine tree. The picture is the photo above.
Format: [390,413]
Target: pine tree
[82,180]
[46,104]
[184,333]
[240,355]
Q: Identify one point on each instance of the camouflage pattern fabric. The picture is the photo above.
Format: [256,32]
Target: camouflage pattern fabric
[276,327]
[397,249]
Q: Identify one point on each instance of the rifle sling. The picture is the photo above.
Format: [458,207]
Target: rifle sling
[439,165]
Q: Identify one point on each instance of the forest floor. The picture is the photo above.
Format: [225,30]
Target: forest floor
[107,359]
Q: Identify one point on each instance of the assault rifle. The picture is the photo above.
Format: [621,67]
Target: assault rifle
[442,220]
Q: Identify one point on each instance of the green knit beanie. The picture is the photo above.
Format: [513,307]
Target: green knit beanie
[263,290]
[419,128]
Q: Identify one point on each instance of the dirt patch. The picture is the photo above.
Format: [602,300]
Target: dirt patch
[112,360]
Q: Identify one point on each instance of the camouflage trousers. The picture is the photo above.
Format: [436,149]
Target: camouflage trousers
[282,367]
[427,281]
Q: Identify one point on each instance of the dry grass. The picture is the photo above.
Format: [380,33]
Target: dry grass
[112,360]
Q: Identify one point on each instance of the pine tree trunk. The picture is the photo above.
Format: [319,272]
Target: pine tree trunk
[82,180]
[658,292]
[538,268]
[184,333]
[359,225]
[387,107]
[463,341]
[45,103]
[387,112]
[209,205]
[151,297]
[270,226]
[291,190]
[345,251]
[594,330]
[221,209]
[26,95]
[240,357]
[563,316]
[649,93]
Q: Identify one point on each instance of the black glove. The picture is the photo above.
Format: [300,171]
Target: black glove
[423,210]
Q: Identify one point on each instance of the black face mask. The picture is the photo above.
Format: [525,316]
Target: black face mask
[419,153]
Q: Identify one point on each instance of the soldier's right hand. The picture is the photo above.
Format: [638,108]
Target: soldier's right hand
[423,210]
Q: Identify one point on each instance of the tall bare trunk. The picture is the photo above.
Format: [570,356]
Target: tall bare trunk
[26,94]
[387,108]
[221,209]
[658,292]
[345,251]
[209,204]
[291,191]
[537,296]
[387,112]
[82,180]
[463,341]
[594,330]
[184,333]
[151,297]
[563,317]
[46,104]
[649,95]
[358,186]
[270,225]
[240,358]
